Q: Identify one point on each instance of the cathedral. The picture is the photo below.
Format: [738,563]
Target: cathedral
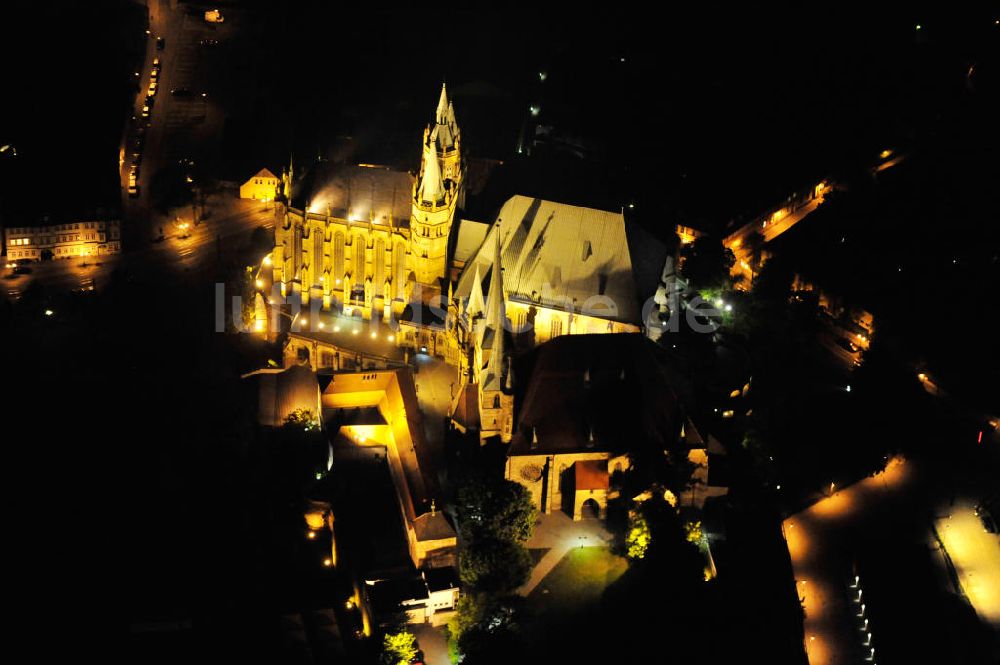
[369,256]
[373,243]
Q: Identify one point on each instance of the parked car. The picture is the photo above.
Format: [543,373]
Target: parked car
[160,43]
[152,89]
[209,42]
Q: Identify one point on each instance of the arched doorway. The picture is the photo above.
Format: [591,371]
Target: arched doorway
[590,509]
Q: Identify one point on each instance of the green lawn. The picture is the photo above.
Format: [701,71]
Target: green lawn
[578,580]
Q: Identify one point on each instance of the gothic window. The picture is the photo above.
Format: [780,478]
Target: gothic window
[399,268]
[379,265]
[316,260]
[359,257]
[338,255]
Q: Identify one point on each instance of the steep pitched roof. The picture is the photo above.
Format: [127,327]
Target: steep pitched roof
[564,256]
[592,393]
[264,173]
[433,526]
[469,239]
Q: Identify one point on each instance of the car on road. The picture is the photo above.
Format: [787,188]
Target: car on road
[181,92]
[161,43]
[156,63]
[209,42]
[846,345]
[152,89]
[145,110]
[154,73]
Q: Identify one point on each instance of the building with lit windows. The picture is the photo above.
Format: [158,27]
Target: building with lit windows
[264,186]
[63,241]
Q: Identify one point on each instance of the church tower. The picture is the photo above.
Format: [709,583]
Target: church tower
[435,194]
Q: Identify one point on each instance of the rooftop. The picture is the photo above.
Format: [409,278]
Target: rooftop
[563,255]
[579,393]
[355,192]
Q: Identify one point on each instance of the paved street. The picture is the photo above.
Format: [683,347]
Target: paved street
[975,553]
[435,380]
[814,538]
[231,221]
[179,127]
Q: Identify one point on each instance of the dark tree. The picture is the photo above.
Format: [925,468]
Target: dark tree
[707,263]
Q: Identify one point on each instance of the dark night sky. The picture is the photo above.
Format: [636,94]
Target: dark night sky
[711,114]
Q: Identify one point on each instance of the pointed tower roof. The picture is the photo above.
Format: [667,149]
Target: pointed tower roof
[442,108]
[476,304]
[445,130]
[495,319]
[431,189]
[495,301]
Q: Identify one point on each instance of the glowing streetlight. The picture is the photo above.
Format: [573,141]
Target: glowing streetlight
[311,535]
[49,312]
[259,283]
[327,562]
[267,260]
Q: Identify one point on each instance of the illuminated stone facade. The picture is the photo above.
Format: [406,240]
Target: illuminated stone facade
[364,258]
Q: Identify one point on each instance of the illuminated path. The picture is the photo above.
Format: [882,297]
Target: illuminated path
[975,555]
[814,536]
[558,533]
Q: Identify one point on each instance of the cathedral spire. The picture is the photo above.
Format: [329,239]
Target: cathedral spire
[442,109]
[431,189]
[476,304]
[496,318]
[495,301]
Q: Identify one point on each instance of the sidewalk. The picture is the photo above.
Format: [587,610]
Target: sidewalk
[559,534]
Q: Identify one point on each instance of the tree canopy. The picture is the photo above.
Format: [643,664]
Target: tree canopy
[707,263]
